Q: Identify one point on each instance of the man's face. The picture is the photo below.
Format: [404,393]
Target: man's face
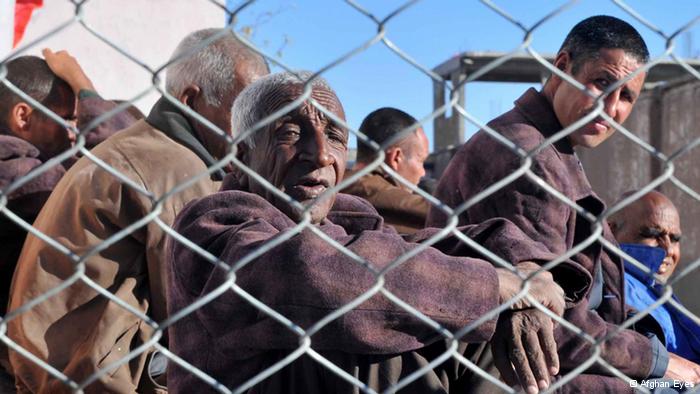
[570,104]
[654,221]
[416,150]
[48,136]
[302,154]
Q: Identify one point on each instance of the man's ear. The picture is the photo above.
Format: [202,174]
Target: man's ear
[393,157]
[189,96]
[243,155]
[562,61]
[613,226]
[20,119]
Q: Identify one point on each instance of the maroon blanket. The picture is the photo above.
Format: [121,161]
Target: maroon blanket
[17,159]
[305,279]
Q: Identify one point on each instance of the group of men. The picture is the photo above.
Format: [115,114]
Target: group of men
[263,220]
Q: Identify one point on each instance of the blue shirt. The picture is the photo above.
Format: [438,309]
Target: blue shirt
[681,334]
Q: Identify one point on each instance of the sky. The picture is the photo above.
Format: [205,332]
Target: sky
[311,34]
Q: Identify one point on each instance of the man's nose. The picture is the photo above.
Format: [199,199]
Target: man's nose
[611,103]
[666,244]
[316,150]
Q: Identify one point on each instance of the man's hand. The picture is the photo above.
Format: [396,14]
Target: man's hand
[542,288]
[524,350]
[67,68]
[681,369]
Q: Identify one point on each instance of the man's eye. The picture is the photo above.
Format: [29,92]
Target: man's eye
[602,83]
[627,97]
[336,135]
[289,131]
[649,233]
[675,238]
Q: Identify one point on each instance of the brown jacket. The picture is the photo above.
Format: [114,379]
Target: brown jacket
[77,330]
[483,160]
[400,208]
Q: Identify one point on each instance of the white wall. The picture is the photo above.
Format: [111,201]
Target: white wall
[7,24]
[147,29]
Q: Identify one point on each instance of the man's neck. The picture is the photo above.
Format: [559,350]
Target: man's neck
[548,92]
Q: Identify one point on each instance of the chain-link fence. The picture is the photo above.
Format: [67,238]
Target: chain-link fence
[153,326]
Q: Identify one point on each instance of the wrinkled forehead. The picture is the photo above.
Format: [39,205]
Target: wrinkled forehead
[285,94]
[665,214]
[655,211]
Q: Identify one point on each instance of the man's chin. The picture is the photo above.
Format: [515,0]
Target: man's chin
[318,210]
[665,271]
[589,140]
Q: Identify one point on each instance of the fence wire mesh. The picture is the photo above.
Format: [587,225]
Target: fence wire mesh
[156,340]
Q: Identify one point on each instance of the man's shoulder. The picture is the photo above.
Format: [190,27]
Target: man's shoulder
[246,204]
[350,203]
[489,152]
[354,214]
[242,203]
[232,207]
[368,185]
[12,147]
[485,158]
[512,125]
[146,152]
[141,141]
[17,159]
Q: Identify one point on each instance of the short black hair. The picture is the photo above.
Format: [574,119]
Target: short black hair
[598,32]
[33,76]
[380,126]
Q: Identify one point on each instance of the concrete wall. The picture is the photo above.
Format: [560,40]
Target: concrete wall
[668,119]
[147,29]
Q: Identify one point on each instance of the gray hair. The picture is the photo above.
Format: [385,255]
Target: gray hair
[247,111]
[208,65]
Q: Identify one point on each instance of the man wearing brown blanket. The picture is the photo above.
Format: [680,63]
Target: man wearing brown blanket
[278,257]
[599,53]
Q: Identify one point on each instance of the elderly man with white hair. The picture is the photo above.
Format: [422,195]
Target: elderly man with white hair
[79,331]
[305,278]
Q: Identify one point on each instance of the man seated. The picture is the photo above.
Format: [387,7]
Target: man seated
[649,230]
[29,137]
[80,331]
[397,203]
[603,54]
[280,252]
